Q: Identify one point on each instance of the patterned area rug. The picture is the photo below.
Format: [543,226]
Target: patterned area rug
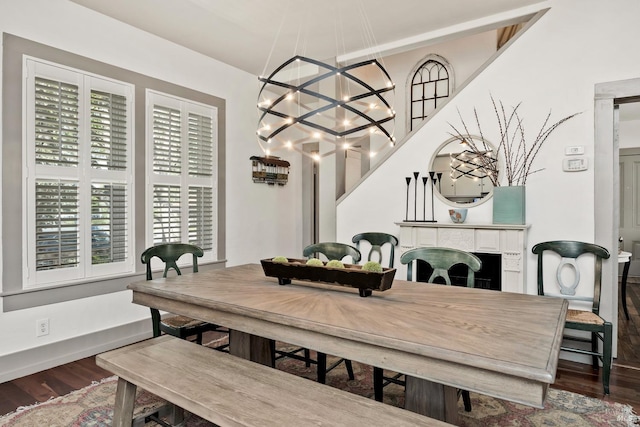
[93,405]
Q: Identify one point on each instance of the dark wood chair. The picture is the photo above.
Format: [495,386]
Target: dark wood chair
[565,254]
[377,241]
[331,251]
[440,260]
[179,326]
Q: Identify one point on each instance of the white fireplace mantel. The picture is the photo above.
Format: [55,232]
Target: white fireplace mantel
[508,240]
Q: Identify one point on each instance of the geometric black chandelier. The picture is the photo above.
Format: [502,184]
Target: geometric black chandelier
[305,100]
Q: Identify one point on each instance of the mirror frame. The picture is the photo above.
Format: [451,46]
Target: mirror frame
[456,204]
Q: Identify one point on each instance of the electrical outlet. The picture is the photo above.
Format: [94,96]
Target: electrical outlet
[42,327]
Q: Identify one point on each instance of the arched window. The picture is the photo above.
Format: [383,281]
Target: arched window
[431,83]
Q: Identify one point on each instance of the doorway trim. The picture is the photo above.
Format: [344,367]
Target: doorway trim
[607,97]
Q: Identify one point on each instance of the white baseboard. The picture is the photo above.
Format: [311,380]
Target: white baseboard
[38,359]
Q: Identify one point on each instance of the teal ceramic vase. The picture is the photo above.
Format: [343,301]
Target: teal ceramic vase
[509,205]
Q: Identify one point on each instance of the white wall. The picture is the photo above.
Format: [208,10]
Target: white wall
[465,55]
[554,65]
[261,220]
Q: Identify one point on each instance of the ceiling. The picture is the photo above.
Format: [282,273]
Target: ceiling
[258,35]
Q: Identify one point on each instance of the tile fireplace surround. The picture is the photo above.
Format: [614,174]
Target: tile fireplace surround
[510,241]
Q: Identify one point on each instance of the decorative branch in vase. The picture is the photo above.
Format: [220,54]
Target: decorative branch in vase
[518,154]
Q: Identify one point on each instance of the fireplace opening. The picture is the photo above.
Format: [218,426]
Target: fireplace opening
[489,276]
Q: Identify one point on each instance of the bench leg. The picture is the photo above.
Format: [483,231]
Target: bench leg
[125,399]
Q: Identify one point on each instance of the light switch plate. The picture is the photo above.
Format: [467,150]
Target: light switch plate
[574,150]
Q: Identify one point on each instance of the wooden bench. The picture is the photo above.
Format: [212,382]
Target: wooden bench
[231,391]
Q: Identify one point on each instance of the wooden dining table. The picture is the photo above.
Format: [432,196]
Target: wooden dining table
[443,338]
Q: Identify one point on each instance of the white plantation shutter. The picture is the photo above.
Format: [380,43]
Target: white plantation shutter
[201,217]
[108,131]
[57,224]
[167,214]
[109,231]
[56,133]
[167,141]
[182,171]
[109,202]
[200,145]
[78,175]
[56,123]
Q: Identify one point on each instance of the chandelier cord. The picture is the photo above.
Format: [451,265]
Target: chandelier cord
[273,45]
[339,35]
[369,35]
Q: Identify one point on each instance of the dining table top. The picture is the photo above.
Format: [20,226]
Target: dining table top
[497,343]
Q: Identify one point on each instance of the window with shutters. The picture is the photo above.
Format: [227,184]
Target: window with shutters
[181,160]
[78,179]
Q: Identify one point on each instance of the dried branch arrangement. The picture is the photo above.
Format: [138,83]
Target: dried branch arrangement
[517,154]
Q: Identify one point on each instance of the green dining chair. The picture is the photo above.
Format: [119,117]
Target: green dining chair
[179,326]
[377,241]
[331,251]
[441,260]
[564,255]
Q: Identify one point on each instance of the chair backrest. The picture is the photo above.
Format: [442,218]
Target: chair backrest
[169,253]
[569,251]
[333,250]
[441,260]
[377,240]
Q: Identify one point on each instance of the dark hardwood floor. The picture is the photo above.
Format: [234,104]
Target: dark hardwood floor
[571,376]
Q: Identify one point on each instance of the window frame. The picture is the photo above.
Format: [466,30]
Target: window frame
[14,296]
[410,82]
[184,180]
[83,174]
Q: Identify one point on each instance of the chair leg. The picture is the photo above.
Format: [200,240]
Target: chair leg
[322,368]
[606,355]
[307,357]
[349,366]
[377,383]
[466,399]
[594,350]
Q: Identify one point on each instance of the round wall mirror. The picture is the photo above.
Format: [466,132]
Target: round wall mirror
[464,182]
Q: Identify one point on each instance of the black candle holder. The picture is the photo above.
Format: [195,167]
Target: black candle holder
[406,215]
[434,179]
[415,196]
[425,179]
